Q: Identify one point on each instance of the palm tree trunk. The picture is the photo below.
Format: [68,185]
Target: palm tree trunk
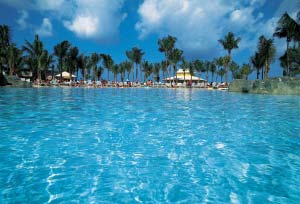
[266,70]
[137,72]
[287,57]
[175,73]
[141,74]
[60,69]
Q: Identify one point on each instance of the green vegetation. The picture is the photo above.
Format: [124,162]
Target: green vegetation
[34,58]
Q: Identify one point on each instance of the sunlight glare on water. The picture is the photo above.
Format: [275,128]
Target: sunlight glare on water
[148,146]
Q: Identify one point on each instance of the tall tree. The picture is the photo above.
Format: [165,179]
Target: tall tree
[36,52]
[267,52]
[234,67]
[107,62]
[175,57]
[191,69]
[72,56]
[213,69]
[166,45]
[100,72]
[83,64]
[229,43]
[137,59]
[115,70]
[156,70]
[122,70]
[221,73]
[95,58]
[128,67]
[130,56]
[164,67]
[257,63]
[184,66]
[246,70]
[199,66]
[286,28]
[14,58]
[61,51]
[5,36]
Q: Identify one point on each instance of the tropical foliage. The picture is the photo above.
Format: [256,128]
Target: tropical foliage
[33,56]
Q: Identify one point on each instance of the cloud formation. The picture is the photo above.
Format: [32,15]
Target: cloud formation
[97,19]
[46,28]
[22,20]
[199,24]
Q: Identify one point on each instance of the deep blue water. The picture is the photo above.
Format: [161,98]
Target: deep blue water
[148,146]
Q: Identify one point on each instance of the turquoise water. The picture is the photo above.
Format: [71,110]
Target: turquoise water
[148,146]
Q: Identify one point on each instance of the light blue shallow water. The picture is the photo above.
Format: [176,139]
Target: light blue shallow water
[148,146]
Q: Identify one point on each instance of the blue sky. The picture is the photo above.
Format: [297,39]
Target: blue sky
[114,26]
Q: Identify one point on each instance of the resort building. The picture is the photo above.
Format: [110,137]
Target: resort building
[185,77]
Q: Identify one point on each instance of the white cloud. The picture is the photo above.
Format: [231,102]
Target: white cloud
[45,29]
[199,24]
[97,19]
[50,4]
[21,21]
[84,26]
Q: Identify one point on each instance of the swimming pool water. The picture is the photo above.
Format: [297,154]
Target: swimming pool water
[148,146]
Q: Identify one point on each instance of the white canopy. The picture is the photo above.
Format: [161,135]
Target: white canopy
[66,75]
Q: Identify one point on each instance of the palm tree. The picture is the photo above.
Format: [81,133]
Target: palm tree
[206,65]
[115,71]
[229,43]
[257,63]
[35,51]
[14,58]
[5,36]
[199,66]
[83,63]
[184,66]
[166,45]
[219,64]
[164,67]
[72,56]
[107,62]
[234,67]
[175,57]
[128,67]
[294,59]
[191,69]
[156,70]
[88,67]
[100,71]
[286,28]
[123,68]
[267,52]
[47,63]
[148,69]
[246,70]
[130,56]
[212,69]
[221,73]
[60,51]
[137,59]
[94,61]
